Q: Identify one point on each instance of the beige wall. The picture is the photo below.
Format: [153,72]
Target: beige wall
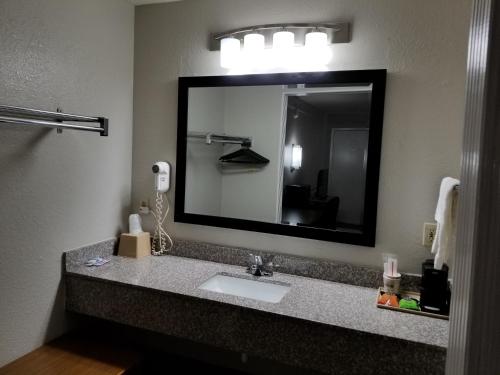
[203,180]
[254,195]
[63,191]
[421,43]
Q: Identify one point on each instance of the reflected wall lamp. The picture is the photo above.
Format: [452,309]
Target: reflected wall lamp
[279,44]
[296,158]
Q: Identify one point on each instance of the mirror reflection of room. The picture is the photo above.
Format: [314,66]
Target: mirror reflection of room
[325,158]
[286,154]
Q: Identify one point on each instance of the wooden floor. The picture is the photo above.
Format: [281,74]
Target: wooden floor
[76,356]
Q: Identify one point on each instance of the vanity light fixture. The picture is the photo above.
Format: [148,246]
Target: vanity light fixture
[279,44]
[296,158]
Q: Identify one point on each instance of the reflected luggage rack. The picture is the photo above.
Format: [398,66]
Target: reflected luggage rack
[221,138]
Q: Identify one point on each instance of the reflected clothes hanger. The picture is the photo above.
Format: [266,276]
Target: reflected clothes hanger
[244,156]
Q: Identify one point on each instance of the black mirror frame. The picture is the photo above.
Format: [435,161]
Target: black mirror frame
[376,77]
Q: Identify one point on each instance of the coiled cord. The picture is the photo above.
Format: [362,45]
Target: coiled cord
[161,237]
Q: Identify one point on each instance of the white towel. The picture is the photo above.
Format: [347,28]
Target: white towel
[444,241]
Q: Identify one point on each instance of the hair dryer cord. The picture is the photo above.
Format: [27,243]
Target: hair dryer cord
[161,237]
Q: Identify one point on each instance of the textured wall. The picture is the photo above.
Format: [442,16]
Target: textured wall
[59,191]
[421,43]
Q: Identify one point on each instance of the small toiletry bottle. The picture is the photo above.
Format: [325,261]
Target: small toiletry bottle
[392,278]
[391,283]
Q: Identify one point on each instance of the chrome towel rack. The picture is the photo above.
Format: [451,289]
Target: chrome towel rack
[34,117]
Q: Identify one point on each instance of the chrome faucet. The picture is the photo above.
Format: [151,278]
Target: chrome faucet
[258,267]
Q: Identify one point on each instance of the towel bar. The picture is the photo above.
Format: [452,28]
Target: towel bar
[11,115]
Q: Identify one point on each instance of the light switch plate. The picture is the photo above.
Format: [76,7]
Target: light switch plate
[428,234]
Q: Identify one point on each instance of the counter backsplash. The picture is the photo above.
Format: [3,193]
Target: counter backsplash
[291,264]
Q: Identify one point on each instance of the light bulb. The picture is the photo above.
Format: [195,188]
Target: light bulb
[283,40]
[253,49]
[253,42]
[283,43]
[316,46]
[316,39]
[229,52]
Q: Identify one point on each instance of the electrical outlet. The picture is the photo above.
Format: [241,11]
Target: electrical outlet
[428,234]
[144,208]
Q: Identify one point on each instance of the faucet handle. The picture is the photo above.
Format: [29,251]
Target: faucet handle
[255,260]
[269,268]
[258,260]
[272,265]
[269,258]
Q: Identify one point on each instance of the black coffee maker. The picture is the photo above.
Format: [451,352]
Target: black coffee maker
[435,291]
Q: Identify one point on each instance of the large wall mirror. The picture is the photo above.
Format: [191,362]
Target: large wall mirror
[295,154]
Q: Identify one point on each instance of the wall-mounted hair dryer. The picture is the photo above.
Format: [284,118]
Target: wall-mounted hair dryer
[162,171]
[162,242]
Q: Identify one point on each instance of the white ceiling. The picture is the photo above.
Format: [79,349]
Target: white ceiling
[144,2]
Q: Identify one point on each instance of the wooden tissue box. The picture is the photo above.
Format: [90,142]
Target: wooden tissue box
[135,245]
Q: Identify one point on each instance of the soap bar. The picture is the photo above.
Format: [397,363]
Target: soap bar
[388,299]
[384,297]
[393,301]
[409,303]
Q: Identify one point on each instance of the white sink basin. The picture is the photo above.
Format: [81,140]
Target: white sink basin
[260,290]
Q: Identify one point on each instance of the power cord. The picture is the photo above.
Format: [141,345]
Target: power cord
[161,237]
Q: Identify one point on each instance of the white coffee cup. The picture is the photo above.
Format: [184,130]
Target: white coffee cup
[134,224]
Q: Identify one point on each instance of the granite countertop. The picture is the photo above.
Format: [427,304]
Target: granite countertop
[325,302]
